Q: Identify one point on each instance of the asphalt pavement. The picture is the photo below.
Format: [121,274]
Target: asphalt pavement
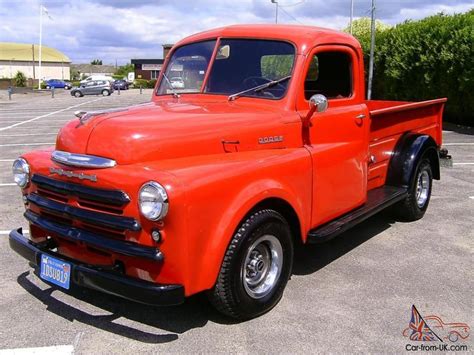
[352,294]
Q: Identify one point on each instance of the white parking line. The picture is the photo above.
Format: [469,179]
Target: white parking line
[458,144]
[27,134]
[17,144]
[50,114]
[463,163]
[7,160]
[8,184]
[46,350]
[25,231]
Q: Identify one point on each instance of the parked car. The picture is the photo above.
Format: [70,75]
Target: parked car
[97,77]
[209,188]
[58,84]
[177,82]
[120,85]
[94,87]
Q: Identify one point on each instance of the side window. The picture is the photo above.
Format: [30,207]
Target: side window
[329,74]
[276,66]
[90,83]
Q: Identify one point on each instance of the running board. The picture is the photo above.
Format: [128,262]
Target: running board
[377,200]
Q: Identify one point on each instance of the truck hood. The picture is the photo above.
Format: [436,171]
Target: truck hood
[173,129]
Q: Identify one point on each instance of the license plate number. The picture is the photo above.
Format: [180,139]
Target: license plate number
[55,271]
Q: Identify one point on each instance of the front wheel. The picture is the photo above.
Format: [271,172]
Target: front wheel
[414,206]
[77,94]
[256,267]
[105,92]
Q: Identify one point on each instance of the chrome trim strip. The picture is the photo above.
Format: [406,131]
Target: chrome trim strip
[82,160]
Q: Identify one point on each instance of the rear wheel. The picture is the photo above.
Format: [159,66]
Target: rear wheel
[414,206]
[256,267]
[105,92]
[48,87]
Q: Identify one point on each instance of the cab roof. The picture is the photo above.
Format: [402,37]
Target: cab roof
[304,37]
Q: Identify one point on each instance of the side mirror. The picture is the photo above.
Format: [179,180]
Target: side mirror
[318,103]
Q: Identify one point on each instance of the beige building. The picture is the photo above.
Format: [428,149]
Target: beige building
[16,57]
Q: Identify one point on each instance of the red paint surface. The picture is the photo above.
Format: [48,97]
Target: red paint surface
[212,185]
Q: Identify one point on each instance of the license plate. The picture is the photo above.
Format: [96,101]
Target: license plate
[55,271]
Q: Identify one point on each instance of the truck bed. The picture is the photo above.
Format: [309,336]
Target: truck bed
[389,120]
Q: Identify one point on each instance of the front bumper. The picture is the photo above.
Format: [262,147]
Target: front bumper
[112,283]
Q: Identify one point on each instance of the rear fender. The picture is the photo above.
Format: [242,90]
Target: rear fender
[408,152]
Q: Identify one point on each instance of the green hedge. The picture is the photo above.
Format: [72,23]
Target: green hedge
[429,58]
[145,84]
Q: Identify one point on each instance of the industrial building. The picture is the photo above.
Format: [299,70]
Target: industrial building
[24,57]
[149,69]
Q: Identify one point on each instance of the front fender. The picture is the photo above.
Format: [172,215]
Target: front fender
[222,190]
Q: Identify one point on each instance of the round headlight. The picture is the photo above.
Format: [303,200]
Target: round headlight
[21,172]
[153,201]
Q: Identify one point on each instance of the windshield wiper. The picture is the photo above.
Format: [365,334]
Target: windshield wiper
[175,94]
[258,88]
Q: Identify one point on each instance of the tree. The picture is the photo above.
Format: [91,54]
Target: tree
[97,62]
[20,79]
[361,31]
[125,69]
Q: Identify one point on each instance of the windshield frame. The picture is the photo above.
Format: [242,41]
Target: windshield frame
[211,63]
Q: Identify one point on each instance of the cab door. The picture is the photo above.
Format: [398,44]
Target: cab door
[338,138]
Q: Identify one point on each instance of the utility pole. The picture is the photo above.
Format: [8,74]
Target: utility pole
[352,15]
[33,56]
[276,9]
[372,45]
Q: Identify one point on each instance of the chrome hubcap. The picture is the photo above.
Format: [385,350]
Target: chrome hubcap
[262,266]
[422,188]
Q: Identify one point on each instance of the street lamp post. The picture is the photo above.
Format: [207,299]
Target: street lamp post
[372,45]
[11,73]
[276,9]
[352,14]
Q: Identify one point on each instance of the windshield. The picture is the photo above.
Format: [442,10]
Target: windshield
[239,65]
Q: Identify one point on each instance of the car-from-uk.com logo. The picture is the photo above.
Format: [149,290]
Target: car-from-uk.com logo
[440,335]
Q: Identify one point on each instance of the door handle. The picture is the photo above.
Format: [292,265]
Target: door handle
[361,116]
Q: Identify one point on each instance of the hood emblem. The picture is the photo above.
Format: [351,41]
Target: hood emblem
[85,116]
[71,174]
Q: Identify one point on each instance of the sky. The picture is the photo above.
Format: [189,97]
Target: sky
[119,30]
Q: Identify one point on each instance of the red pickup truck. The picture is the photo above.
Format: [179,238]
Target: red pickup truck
[267,141]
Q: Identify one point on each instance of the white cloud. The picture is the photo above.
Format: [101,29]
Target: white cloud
[125,29]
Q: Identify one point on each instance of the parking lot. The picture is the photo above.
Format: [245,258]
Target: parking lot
[352,294]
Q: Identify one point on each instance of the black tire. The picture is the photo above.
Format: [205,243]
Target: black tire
[413,207]
[77,94]
[105,92]
[231,294]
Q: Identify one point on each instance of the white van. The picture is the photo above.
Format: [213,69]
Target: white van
[97,77]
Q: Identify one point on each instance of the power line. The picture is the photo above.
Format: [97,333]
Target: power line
[290,15]
[291,5]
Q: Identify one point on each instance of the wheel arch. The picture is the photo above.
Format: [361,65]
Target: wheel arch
[247,202]
[286,210]
[410,149]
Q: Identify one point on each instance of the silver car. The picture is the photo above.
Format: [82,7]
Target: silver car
[94,87]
